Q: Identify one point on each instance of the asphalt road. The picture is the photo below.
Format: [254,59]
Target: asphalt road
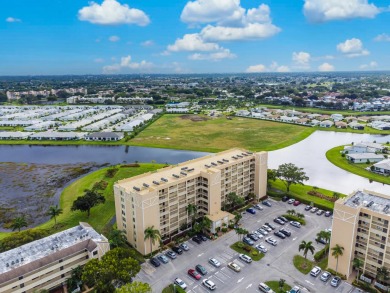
[276,264]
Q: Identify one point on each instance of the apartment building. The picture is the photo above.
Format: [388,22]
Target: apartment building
[47,263]
[160,198]
[361,226]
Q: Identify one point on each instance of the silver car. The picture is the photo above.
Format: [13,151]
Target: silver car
[214,262]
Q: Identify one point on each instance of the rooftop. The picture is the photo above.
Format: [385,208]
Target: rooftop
[376,202]
[41,248]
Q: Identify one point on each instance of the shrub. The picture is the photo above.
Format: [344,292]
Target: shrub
[321,253]
[322,196]
[19,238]
[254,253]
[295,218]
[240,245]
[248,248]
[333,272]
[224,230]
[111,172]
[101,185]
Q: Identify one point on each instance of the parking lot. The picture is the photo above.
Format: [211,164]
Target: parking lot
[277,262]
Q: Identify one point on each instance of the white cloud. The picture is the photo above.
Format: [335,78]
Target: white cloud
[324,67]
[217,56]
[148,43]
[382,38]
[111,12]
[192,42]
[301,59]
[283,68]
[126,64]
[327,10]
[352,48]
[98,60]
[371,65]
[13,19]
[114,39]
[256,68]
[274,67]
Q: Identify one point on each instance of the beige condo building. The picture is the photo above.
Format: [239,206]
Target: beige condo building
[160,198]
[361,226]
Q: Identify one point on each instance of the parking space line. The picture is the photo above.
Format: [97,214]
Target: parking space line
[218,278]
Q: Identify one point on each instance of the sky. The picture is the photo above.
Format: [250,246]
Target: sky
[45,37]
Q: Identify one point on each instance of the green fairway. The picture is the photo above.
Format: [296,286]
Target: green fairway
[334,156]
[217,134]
[101,214]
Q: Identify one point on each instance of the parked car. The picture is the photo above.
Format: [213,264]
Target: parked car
[154,261]
[253,236]
[248,241]
[251,211]
[295,289]
[201,269]
[278,221]
[170,254]
[235,267]
[265,227]
[177,249]
[291,201]
[194,274]
[307,208]
[184,246]
[214,262]
[313,210]
[285,198]
[328,213]
[325,276]
[285,231]
[258,234]
[180,283]
[271,241]
[335,281]
[270,225]
[258,207]
[202,237]
[296,203]
[321,240]
[245,258]
[266,203]
[262,231]
[261,248]
[283,219]
[320,212]
[295,224]
[264,288]
[280,235]
[209,284]
[162,258]
[315,271]
[197,239]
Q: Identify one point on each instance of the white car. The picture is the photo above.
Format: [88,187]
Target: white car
[245,258]
[262,231]
[258,207]
[265,227]
[261,248]
[180,283]
[271,241]
[295,224]
[291,201]
[214,262]
[264,288]
[315,271]
[235,267]
[209,285]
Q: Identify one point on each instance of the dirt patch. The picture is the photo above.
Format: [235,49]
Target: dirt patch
[194,118]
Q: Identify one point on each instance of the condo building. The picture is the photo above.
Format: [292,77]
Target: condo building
[160,198]
[47,263]
[361,226]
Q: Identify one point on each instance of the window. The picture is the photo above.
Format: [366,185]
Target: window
[95,252]
[61,268]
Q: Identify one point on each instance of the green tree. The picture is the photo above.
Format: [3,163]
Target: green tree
[117,265]
[75,279]
[290,174]
[306,247]
[291,212]
[382,275]
[357,264]
[191,210]
[18,223]
[197,227]
[337,251]
[153,235]
[300,216]
[206,223]
[336,195]
[90,199]
[237,218]
[54,212]
[281,284]
[135,287]
[117,238]
[324,235]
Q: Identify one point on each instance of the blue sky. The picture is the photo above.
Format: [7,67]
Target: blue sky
[199,36]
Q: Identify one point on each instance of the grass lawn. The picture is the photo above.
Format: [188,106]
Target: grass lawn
[218,134]
[299,192]
[303,265]
[334,156]
[254,254]
[101,214]
[274,285]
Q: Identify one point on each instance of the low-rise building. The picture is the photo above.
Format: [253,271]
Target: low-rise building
[104,136]
[364,157]
[382,167]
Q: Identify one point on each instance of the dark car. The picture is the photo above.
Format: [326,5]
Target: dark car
[285,198]
[278,221]
[248,241]
[177,249]
[328,214]
[251,211]
[266,203]
[296,203]
[285,232]
[252,236]
[154,261]
[279,234]
[201,269]
[197,239]
[283,219]
[202,237]
[270,225]
[307,208]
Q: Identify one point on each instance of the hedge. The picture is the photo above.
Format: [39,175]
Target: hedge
[321,253]
[333,272]
[302,200]
[295,218]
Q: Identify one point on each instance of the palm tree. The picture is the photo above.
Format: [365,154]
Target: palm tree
[281,284]
[336,252]
[237,218]
[19,223]
[306,247]
[153,235]
[324,235]
[291,212]
[382,275]
[191,210]
[300,216]
[53,212]
[117,238]
[357,264]
[206,223]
